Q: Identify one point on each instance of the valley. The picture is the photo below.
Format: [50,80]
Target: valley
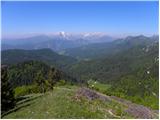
[79,59]
[123,71]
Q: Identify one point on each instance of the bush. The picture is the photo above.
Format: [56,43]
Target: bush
[61,83]
[149,101]
[25,90]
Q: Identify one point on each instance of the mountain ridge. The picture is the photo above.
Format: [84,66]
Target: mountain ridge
[98,50]
[46,55]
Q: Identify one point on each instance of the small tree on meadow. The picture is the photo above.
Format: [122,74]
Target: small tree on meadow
[40,81]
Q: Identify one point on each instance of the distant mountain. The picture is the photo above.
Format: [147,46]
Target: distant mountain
[5,46]
[97,37]
[99,50]
[56,42]
[118,58]
[133,71]
[129,66]
[25,40]
[45,55]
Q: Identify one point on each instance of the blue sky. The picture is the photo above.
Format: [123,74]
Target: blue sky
[116,18]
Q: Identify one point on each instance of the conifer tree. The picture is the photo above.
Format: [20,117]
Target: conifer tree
[7,94]
[53,77]
[40,81]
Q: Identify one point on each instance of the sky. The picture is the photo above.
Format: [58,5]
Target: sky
[114,18]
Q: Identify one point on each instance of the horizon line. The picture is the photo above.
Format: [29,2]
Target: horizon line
[49,34]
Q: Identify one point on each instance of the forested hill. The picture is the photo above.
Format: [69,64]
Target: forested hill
[45,55]
[101,50]
[114,66]
[130,67]
[26,73]
[133,73]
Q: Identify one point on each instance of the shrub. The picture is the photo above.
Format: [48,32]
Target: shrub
[24,90]
[61,83]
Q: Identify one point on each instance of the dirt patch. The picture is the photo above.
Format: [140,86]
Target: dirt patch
[91,94]
[138,111]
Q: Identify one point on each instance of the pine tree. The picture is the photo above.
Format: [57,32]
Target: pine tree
[57,75]
[51,81]
[53,77]
[7,94]
[40,81]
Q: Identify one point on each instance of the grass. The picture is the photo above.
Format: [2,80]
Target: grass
[103,88]
[60,103]
[24,90]
[148,101]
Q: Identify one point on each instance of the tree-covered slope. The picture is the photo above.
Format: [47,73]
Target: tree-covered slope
[26,73]
[45,55]
[130,68]
[132,73]
[101,50]
[109,68]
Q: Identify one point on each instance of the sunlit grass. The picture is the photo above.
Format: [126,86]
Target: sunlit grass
[60,103]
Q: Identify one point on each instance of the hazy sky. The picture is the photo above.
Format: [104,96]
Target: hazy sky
[109,17]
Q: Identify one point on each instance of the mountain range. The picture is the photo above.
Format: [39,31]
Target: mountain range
[56,41]
[129,65]
[48,56]
[97,50]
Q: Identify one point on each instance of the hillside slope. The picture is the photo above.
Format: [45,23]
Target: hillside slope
[26,72]
[114,66]
[45,55]
[133,74]
[74,102]
[102,50]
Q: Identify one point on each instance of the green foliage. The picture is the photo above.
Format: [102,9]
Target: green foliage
[150,101]
[129,70]
[51,82]
[34,76]
[61,83]
[26,73]
[54,77]
[111,68]
[25,90]
[7,93]
[40,82]
[102,50]
[47,56]
[103,88]
[142,91]
[133,72]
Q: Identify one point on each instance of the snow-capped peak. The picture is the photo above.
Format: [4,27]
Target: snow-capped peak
[98,34]
[62,33]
